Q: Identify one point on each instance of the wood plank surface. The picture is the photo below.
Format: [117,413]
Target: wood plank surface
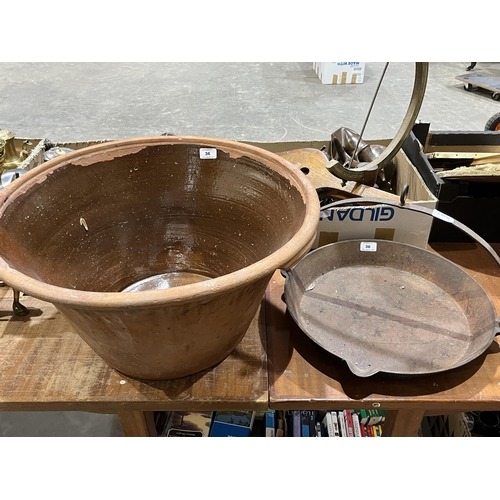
[304,376]
[44,365]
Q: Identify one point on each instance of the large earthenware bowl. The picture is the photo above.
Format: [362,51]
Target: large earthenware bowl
[157,250]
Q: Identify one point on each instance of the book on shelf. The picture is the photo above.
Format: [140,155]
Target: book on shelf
[349,423]
[308,423]
[292,423]
[327,424]
[342,426]
[187,424]
[232,424]
[296,431]
[371,417]
[335,422]
[376,417]
[355,424]
[318,429]
[280,423]
[362,428]
[364,417]
[304,423]
[270,421]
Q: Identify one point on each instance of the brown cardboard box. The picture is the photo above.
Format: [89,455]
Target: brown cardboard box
[376,222]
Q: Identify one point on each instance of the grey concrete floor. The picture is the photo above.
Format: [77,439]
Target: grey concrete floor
[265,102]
[242,101]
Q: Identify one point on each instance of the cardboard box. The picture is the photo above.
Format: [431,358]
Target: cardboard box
[374,222]
[474,201]
[339,73]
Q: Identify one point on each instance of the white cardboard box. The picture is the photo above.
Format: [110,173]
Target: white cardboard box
[338,73]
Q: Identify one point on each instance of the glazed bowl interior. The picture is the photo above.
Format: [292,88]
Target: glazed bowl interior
[146,215]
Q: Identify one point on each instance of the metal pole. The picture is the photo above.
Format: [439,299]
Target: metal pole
[368,115]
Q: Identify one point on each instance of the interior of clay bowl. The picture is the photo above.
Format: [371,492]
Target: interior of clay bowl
[152,213]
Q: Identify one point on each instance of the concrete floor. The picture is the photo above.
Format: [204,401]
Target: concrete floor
[266,102]
[241,101]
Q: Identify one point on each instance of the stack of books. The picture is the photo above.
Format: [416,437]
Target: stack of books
[300,423]
[344,423]
[204,424]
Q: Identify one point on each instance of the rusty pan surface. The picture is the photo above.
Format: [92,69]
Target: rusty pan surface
[385,306]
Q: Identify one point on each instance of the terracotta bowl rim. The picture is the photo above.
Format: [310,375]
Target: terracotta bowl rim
[283,258]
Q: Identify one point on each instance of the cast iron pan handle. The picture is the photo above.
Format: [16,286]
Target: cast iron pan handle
[418,208]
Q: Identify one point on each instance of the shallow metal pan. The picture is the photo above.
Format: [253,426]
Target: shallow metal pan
[385,306]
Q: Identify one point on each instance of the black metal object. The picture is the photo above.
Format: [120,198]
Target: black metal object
[463,138]
[476,204]
[17,307]
[493,123]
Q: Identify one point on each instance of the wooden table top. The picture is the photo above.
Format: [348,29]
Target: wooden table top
[304,376]
[45,366]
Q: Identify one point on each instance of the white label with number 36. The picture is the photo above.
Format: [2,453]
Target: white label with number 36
[368,246]
[208,153]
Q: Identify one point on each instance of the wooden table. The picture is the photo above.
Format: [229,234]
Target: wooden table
[45,366]
[304,376]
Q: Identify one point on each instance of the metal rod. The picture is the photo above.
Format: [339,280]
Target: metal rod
[368,115]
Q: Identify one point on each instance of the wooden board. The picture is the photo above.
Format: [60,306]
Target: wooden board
[304,376]
[45,366]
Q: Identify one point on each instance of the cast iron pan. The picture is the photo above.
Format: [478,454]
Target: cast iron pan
[385,306]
